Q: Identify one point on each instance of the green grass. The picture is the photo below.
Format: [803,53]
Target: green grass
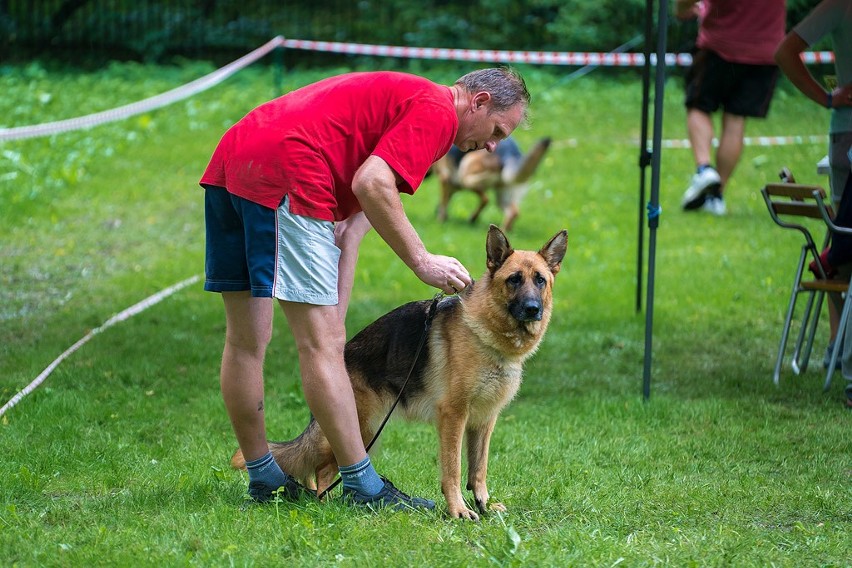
[121,456]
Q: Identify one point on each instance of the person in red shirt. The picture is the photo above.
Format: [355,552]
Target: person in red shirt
[733,68]
[290,191]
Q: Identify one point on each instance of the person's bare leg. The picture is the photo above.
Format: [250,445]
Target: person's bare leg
[730,146]
[835,306]
[347,236]
[248,332]
[699,126]
[320,338]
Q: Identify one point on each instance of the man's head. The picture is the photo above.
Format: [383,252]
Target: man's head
[491,104]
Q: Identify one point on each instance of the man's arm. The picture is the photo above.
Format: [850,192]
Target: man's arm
[375,187]
[788,56]
[789,59]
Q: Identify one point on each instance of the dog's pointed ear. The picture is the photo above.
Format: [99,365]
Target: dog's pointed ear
[497,248]
[554,251]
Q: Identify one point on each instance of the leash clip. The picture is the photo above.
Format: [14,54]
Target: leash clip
[433,307]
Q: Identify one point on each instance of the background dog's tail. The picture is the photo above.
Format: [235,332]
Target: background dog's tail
[524,169]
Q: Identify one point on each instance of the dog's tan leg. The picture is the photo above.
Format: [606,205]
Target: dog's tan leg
[446,192]
[483,202]
[451,426]
[478,442]
[510,213]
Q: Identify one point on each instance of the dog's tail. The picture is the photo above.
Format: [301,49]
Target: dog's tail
[523,170]
[301,458]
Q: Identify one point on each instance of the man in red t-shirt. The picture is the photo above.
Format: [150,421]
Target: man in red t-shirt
[733,68]
[290,191]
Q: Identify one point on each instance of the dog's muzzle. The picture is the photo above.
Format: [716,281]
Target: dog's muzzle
[528,309]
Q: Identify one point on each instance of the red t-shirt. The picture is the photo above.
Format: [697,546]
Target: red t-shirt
[309,143]
[743,31]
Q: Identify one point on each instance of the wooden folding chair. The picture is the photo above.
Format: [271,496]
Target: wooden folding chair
[835,229]
[789,205]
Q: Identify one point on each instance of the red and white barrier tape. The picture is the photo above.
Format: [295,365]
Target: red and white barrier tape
[500,56]
[120,317]
[485,55]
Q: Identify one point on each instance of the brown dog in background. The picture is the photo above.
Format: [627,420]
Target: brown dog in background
[468,370]
[507,171]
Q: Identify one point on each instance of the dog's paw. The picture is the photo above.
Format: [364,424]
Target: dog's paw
[486,506]
[464,513]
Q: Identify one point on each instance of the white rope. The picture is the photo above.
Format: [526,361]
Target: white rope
[145,105]
[758,141]
[118,318]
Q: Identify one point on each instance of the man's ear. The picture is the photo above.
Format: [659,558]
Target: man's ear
[480,99]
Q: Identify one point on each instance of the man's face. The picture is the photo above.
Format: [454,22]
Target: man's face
[480,128]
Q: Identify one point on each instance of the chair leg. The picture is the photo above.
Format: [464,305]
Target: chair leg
[810,321]
[838,342]
[794,294]
[776,377]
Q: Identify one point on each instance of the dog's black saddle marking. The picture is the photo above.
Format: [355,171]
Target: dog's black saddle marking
[383,352]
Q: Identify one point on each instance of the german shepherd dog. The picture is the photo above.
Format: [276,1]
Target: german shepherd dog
[507,171]
[468,370]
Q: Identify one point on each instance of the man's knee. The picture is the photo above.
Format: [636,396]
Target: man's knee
[324,348]
[248,340]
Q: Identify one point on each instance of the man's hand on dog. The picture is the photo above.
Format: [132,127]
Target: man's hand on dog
[443,272]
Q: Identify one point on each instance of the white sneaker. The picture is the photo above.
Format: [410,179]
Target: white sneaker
[696,193]
[714,205]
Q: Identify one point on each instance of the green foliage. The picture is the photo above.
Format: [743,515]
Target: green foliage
[597,26]
[121,457]
[157,30]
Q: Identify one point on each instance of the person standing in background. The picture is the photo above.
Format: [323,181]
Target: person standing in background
[734,69]
[829,18]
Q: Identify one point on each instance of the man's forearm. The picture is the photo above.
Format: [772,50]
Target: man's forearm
[376,191]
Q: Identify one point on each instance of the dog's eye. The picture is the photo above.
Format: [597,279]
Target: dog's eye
[539,280]
[514,279]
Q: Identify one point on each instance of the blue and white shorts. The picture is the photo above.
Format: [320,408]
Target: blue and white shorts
[271,252]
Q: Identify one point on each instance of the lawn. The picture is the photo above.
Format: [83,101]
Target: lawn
[121,456]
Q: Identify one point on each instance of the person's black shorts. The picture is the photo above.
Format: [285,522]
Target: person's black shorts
[738,88]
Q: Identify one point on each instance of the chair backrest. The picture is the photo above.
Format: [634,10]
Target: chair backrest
[786,201]
[790,203]
[793,200]
[827,214]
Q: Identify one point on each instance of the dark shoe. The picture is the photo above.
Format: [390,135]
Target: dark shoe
[292,490]
[826,360]
[389,496]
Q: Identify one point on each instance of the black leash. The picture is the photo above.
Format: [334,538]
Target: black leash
[429,317]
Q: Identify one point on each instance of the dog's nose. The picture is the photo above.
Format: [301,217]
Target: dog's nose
[533,310]
[529,310]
